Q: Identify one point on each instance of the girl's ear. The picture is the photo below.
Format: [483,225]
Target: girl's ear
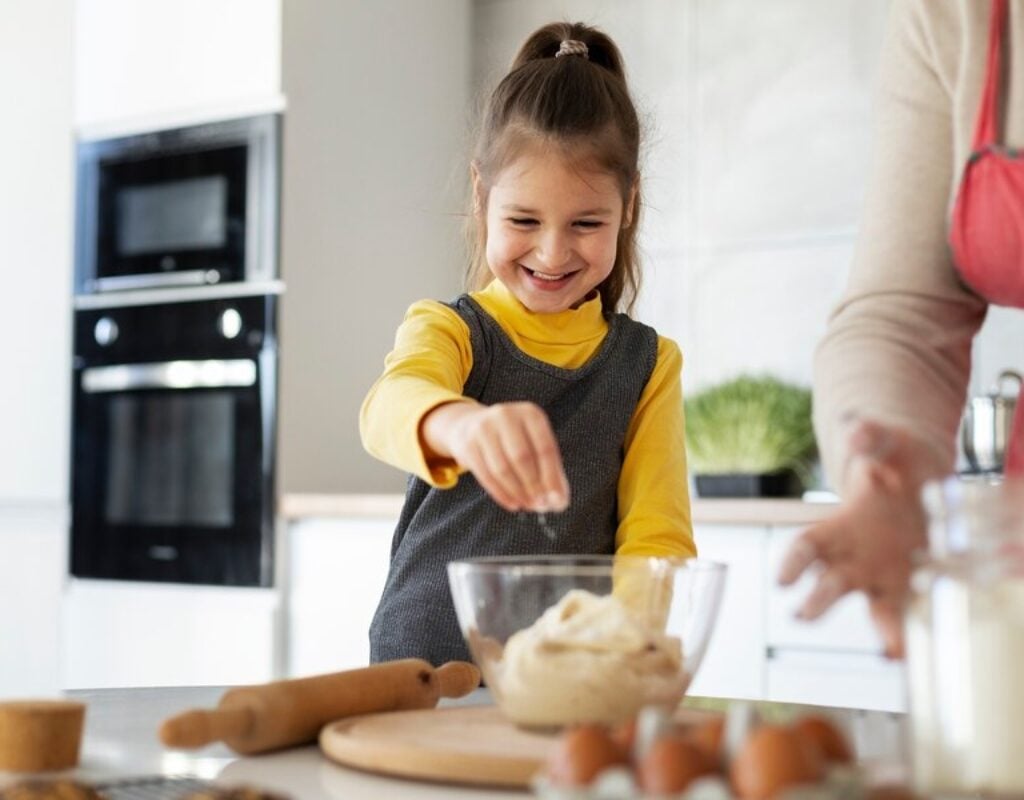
[627,215]
[478,189]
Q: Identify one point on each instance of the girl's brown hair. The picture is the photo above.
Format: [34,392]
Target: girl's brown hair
[580,104]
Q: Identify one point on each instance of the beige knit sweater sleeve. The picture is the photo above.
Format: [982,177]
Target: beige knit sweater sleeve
[898,346]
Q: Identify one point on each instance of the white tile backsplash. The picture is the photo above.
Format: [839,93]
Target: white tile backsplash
[782,116]
[762,310]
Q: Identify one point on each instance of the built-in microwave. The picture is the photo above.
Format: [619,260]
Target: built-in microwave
[190,206]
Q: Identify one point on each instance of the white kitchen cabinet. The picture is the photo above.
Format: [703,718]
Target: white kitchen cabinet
[734,663]
[845,627]
[759,650]
[33,558]
[335,575]
[154,64]
[828,678]
[121,633]
[835,660]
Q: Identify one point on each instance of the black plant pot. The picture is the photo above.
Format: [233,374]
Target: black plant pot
[784,483]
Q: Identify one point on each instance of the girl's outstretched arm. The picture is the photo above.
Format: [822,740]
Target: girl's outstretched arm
[428,367]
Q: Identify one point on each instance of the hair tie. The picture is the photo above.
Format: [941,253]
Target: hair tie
[572,47]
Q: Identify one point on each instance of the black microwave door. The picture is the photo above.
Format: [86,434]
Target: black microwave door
[178,212]
[168,486]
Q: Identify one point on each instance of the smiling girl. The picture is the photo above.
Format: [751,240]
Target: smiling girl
[533,392]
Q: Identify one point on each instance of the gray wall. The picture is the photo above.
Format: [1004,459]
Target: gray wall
[374,166]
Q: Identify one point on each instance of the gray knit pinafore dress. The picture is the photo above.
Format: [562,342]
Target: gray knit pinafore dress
[590,409]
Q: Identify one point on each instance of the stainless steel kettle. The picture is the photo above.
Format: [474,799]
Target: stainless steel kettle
[985,431]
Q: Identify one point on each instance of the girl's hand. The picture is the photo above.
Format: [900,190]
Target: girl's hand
[868,544]
[509,447]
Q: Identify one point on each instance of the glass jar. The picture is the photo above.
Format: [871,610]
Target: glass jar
[965,641]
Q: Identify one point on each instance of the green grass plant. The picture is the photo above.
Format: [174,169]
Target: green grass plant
[750,425]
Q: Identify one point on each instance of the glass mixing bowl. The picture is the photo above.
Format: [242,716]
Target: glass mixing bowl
[563,640]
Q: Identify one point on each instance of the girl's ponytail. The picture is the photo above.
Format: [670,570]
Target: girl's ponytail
[547,41]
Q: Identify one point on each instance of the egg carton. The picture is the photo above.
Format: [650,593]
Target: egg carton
[618,783]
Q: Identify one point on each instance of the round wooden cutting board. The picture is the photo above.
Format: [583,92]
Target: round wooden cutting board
[468,744]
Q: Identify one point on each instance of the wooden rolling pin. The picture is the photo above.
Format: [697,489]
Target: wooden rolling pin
[255,719]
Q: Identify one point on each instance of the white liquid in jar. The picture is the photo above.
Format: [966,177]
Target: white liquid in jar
[965,648]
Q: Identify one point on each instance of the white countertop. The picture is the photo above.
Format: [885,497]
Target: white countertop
[724,511]
[121,741]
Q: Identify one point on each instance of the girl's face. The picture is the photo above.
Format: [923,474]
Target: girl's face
[552,229]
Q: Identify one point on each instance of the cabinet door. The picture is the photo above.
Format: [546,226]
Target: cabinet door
[844,680]
[835,660]
[734,663]
[33,555]
[336,573]
[123,633]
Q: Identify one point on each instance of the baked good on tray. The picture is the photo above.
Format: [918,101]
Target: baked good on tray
[49,790]
[235,793]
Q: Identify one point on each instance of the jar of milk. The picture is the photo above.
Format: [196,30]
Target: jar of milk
[965,641]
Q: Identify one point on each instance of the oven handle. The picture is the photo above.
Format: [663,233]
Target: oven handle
[120,283]
[208,374]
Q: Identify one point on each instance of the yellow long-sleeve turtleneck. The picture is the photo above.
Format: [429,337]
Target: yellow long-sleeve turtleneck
[432,359]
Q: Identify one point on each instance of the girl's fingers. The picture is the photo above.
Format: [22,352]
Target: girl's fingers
[492,480]
[521,461]
[503,472]
[553,487]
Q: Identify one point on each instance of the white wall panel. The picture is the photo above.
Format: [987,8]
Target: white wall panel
[36,163]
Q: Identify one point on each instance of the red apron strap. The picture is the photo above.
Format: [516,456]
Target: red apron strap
[985,131]
[1015,448]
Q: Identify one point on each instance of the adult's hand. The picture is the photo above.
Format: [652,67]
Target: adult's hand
[509,447]
[868,544]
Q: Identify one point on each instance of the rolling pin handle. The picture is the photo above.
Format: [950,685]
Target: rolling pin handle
[198,727]
[457,678]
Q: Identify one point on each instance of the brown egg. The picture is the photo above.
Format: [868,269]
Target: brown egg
[826,735]
[581,754]
[624,735]
[772,758]
[708,737]
[670,765]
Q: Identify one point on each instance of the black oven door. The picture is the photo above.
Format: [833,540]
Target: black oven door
[170,479]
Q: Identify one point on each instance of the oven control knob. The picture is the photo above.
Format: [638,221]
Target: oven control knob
[230,323]
[105,331]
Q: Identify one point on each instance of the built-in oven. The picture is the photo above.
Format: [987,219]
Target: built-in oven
[183,207]
[173,441]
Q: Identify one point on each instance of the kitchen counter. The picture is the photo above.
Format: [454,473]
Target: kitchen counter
[728,511]
[120,741]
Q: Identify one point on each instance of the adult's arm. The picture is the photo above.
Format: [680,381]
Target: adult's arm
[897,350]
